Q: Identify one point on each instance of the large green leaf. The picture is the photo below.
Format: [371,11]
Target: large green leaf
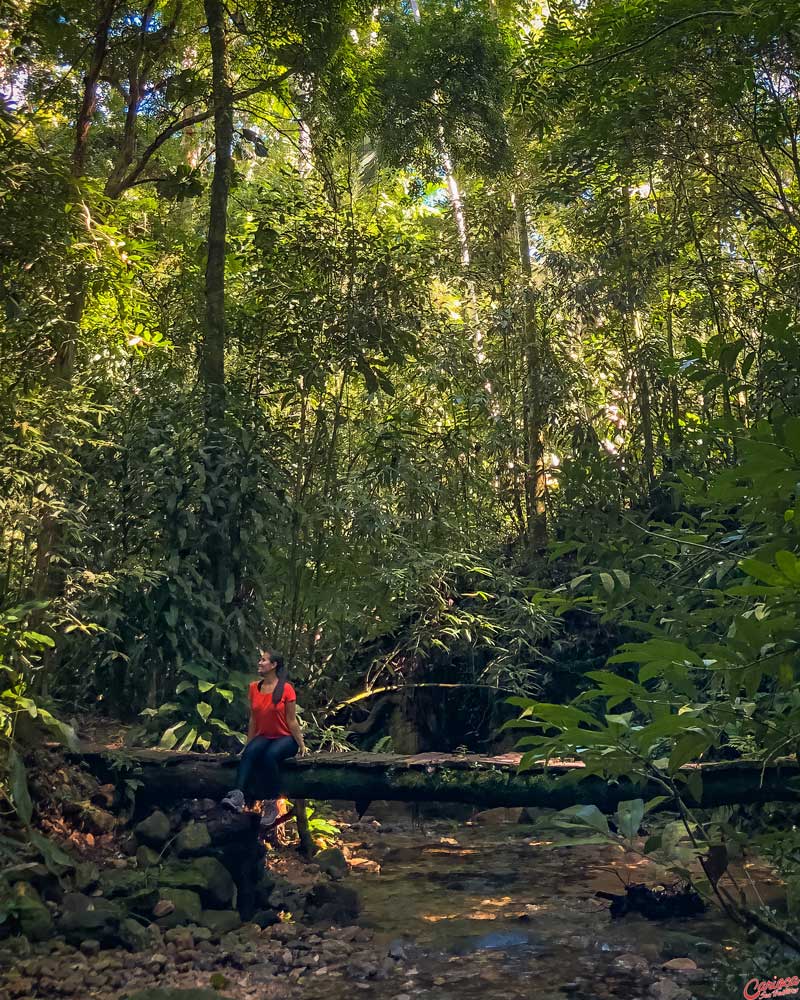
[18,787]
[629,818]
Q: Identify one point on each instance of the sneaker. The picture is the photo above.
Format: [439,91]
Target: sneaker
[269,813]
[234,800]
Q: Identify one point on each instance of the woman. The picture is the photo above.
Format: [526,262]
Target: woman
[273,735]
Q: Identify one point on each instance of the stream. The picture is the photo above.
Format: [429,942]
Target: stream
[478,912]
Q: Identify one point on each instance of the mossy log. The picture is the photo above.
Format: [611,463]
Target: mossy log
[485,782]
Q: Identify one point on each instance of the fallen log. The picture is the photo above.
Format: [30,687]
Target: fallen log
[486,782]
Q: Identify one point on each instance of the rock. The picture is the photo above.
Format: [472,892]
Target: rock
[87,875]
[163,907]
[635,963]
[154,830]
[220,922]
[133,935]
[116,882]
[193,839]
[266,918]
[207,876]
[668,989]
[129,844]
[146,857]
[494,817]
[89,946]
[89,917]
[677,944]
[93,819]
[155,993]
[680,965]
[181,937]
[186,909]
[104,795]
[333,903]
[225,826]
[397,950]
[332,862]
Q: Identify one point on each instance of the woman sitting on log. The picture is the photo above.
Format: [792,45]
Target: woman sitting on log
[273,735]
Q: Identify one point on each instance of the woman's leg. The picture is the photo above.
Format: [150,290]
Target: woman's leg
[250,764]
[277,750]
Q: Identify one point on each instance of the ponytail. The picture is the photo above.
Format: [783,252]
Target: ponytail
[280,672]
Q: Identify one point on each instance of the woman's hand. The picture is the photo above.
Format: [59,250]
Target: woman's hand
[302,751]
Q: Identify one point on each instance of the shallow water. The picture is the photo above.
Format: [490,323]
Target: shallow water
[491,912]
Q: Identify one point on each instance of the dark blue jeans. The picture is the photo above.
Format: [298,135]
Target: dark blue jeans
[258,775]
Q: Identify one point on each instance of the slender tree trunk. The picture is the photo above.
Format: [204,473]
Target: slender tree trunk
[460,219]
[44,583]
[633,325]
[217,514]
[535,478]
[212,358]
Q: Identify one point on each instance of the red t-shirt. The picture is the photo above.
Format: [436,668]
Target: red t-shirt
[270,719]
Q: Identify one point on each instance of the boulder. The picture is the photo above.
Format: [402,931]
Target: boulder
[193,839]
[186,908]
[154,830]
[220,922]
[207,876]
[91,917]
[333,903]
[332,862]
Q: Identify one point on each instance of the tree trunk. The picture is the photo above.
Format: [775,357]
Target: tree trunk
[216,513]
[44,583]
[212,358]
[535,477]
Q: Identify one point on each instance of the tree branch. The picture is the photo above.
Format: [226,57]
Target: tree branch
[650,38]
[133,175]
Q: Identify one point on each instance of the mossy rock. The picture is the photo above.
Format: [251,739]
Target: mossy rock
[89,917]
[208,876]
[117,882]
[133,935]
[333,862]
[220,922]
[87,875]
[333,903]
[34,918]
[146,857]
[188,908]
[155,830]
[193,839]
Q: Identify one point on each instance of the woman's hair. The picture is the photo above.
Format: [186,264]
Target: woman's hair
[280,672]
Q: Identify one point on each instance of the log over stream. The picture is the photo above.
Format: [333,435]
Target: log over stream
[481,781]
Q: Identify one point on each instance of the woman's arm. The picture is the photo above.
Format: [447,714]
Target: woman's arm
[294,725]
[251,726]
